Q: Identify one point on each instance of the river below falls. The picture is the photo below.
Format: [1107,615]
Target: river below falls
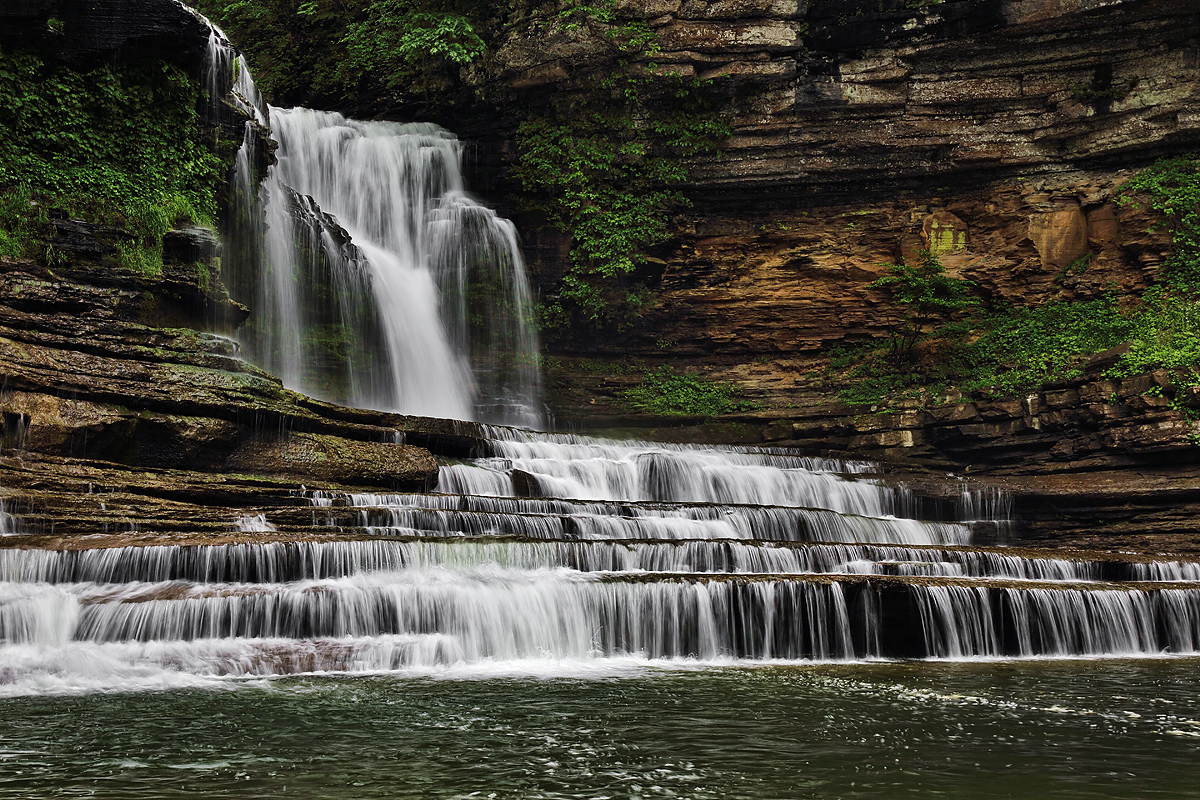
[1040,728]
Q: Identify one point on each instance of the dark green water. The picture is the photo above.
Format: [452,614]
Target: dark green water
[981,730]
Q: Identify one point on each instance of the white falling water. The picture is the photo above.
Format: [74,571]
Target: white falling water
[674,568]
[7,524]
[424,308]
[373,278]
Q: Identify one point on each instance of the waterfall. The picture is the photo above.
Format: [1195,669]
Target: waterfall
[374,279]
[578,553]
[368,267]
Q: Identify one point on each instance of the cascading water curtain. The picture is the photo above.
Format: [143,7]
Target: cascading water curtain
[383,284]
[373,278]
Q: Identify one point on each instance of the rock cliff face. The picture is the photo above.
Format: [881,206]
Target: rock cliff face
[863,128]
[847,96]
[84,33]
[993,131]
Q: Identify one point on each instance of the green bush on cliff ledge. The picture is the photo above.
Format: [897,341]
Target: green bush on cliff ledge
[670,393]
[116,147]
[1172,188]
[1011,351]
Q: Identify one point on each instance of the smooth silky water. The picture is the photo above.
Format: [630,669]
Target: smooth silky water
[565,617]
[1074,729]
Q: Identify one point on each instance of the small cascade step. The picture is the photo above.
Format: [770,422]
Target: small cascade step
[255,560]
[557,519]
[518,614]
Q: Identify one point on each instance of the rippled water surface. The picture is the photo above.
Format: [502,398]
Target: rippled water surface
[1060,729]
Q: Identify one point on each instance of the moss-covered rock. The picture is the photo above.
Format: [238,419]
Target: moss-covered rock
[317,457]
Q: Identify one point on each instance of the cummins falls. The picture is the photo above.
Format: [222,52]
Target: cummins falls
[547,566]
[549,549]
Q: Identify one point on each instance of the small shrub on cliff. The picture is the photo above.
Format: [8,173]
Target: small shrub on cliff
[665,391]
[1172,187]
[921,296]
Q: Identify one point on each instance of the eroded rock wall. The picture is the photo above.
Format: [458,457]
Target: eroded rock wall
[845,96]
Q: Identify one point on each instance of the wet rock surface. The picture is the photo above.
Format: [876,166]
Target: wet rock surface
[98,391]
[308,456]
[995,132]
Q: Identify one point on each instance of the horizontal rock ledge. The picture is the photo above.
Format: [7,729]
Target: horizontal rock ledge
[318,457]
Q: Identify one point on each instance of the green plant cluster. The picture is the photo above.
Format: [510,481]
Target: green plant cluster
[394,39]
[670,393]
[605,164]
[1011,351]
[1172,188]
[341,50]
[118,147]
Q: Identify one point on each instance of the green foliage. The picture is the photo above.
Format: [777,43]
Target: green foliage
[1172,188]
[394,40]
[1163,333]
[19,218]
[1092,94]
[665,391]
[921,295]
[113,147]
[606,163]
[1015,351]
[343,50]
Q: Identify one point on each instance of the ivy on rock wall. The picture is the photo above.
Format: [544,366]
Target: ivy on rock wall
[606,167]
[1172,188]
[119,147]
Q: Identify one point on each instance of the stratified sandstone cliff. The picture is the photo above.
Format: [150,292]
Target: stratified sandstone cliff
[996,132]
[848,96]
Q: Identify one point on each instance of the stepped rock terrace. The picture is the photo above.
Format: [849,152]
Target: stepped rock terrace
[557,549]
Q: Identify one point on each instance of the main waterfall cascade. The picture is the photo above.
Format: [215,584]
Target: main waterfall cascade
[564,555]
[374,279]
